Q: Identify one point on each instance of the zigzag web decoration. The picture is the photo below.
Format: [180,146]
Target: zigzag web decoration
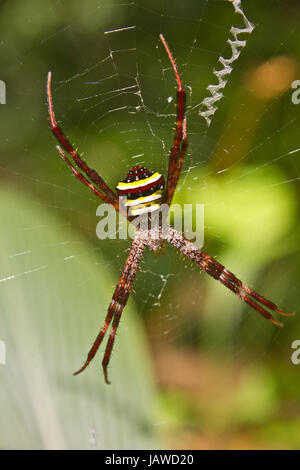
[208,105]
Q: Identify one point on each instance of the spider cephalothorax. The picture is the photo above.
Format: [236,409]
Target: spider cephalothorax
[143,192]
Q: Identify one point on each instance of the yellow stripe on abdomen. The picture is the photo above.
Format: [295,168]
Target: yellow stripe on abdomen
[139,183]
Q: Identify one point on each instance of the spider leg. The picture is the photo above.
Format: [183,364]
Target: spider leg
[176,154]
[117,305]
[227,278]
[174,177]
[62,139]
[83,178]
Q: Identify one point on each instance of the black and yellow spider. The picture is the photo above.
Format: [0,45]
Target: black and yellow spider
[145,192]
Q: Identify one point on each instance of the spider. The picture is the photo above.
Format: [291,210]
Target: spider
[145,191]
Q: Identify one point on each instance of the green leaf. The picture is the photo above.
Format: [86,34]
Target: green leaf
[54,294]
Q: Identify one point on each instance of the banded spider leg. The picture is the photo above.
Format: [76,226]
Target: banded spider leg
[227,278]
[117,305]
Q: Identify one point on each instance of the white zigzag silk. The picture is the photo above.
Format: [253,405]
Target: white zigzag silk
[208,105]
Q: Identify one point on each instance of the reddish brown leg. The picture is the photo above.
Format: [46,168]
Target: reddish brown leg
[174,177]
[83,178]
[92,174]
[227,278]
[176,155]
[117,305]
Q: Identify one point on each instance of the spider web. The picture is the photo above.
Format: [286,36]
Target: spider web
[115,100]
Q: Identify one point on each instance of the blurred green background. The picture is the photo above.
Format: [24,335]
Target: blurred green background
[193,366]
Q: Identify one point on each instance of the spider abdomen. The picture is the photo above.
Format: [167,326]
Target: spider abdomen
[142,190]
